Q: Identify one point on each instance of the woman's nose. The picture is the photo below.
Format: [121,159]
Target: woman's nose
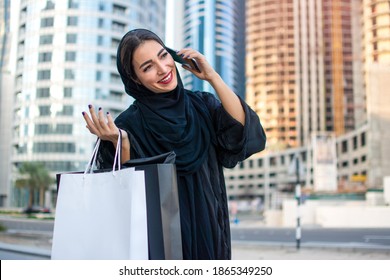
[161,67]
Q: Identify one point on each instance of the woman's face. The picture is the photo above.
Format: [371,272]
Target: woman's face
[154,67]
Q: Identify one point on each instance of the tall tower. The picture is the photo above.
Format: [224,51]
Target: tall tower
[376,60]
[212,27]
[299,68]
[5,101]
[340,101]
[66,59]
[271,70]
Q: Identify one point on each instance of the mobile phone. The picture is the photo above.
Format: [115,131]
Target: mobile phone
[189,62]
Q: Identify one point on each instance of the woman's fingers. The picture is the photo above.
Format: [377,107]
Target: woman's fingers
[90,125]
[100,124]
[110,122]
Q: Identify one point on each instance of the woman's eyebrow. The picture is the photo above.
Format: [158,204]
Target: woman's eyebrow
[149,61]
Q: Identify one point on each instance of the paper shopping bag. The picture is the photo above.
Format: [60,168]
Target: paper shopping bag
[162,202]
[101,216]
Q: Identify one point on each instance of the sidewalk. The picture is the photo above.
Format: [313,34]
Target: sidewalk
[41,244]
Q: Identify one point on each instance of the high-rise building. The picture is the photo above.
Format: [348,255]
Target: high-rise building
[299,68]
[337,31]
[376,69]
[5,101]
[271,70]
[216,29]
[65,60]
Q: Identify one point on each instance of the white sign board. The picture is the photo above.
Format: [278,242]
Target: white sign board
[324,162]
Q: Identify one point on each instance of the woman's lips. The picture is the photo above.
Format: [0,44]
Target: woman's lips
[167,79]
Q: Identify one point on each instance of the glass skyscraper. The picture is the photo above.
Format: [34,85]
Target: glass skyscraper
[65,60]
[217,29]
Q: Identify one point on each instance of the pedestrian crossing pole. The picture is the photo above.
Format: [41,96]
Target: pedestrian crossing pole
[298,198]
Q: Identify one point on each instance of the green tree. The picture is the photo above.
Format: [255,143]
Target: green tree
[34,176]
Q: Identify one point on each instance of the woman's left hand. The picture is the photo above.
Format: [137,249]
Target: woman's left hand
[207,71]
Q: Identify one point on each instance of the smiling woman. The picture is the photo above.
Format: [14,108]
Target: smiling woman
[156,72]
[206,135]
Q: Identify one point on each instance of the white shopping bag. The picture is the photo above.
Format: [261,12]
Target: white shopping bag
[101,215]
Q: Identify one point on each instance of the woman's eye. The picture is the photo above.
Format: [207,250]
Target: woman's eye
[164,54]
[147,68]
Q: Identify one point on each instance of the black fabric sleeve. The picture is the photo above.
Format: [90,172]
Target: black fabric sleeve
[236,142]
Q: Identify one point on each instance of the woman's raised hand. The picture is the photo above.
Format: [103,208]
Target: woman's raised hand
[207,71]
[102,125]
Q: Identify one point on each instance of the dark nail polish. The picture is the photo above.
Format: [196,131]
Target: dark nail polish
[89,106]
[83,113]
[100,108]
[108,113]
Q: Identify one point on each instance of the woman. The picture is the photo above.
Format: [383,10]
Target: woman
[205,133]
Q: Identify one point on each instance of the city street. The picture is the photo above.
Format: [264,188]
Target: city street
[31,239]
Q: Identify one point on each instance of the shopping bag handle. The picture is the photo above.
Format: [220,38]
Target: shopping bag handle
[117,158]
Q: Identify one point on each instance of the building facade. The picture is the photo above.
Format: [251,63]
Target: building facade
[216,29]
[300,78]
[65,60]
[5,101]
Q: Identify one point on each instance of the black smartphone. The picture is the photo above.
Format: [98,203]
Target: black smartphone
[189,62]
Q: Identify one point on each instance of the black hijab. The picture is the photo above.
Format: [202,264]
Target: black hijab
[162,122]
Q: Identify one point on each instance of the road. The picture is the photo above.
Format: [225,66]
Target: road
[333,237]
[349,237]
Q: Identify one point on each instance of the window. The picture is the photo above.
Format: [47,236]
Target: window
[49,5]
[100,22]
[344,146]
[43,92]
[68,92]
[119,10]
[99,58]
[47,22]
[100,40]
[73,4]
[73,21]
[53,129]
[44,110]
[115,78]
[260,162]
[43,75]
[69,74]
[44,57]
[115,95]
[98,75]
[70,56]
[355,142]
[71,38]
[46,39]
[272,161]
[363,139]
[118,26]
[67,110]
[54,147]
[115,43]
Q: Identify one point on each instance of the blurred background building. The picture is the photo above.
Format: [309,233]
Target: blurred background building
[217,29]
[66,59]
[6,102]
